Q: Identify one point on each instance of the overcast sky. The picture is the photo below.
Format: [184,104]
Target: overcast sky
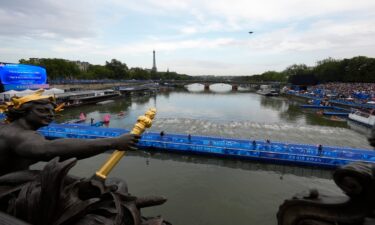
[195,37]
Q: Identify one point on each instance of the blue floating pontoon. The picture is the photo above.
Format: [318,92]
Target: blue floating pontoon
[325,107]
[316,106]
[343,114]
[276,152]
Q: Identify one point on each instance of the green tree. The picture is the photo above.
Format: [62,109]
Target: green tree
[273,76]
[358,69]
[328,70]
[139,74]
[301,75]
[97,72]
[296,69]
[56,68]
[119,69]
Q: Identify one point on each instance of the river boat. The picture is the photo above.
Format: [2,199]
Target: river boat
[259,150]
[77,98]
[267,90]
[362,117]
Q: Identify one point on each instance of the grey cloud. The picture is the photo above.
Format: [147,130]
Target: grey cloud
[45,19]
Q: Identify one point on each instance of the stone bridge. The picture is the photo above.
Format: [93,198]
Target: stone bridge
[208,83]
[174,83]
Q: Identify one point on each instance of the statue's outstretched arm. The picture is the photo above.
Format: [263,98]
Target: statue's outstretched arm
[30,144]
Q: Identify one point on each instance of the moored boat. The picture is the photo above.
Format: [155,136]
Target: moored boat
[362,117]
[77,98]
[267,90]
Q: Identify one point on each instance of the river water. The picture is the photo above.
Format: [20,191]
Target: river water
[204,190]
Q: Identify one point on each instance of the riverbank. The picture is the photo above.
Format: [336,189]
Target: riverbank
[95,86]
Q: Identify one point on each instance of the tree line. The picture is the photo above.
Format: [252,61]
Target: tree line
[356,69]
[114,69]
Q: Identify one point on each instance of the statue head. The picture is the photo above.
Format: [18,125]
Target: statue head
[36,109]
[37,113]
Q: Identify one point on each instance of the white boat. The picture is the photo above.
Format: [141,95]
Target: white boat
[77,98]
[365,118]
[267,90]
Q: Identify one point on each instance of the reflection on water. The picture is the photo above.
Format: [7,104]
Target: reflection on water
[216,88]
[273,103]
[238,164]
[220,87]
[366,131]
[201,190]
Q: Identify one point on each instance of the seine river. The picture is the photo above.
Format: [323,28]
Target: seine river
[204,190]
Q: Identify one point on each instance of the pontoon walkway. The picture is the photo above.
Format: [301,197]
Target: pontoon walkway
[276,152]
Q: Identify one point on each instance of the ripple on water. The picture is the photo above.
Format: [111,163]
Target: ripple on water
[306,134]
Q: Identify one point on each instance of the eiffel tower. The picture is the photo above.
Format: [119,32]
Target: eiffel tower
[154,63]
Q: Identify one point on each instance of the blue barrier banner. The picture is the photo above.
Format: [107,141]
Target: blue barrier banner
[301,154]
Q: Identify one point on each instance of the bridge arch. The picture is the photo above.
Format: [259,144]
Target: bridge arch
[234,84]
[207,85]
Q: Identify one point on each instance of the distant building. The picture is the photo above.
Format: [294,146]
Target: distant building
[34,59]
[83,66]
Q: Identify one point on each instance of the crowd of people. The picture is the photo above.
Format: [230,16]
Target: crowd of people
[360,93]
[365,91]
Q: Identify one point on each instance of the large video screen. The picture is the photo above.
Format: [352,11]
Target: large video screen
[22,74]
[21,77]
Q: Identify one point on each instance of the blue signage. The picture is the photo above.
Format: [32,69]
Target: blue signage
[19,76]
[22,74]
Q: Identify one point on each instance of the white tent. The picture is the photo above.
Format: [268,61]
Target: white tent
[54,91]
[5,96]
[26,92]
[11,92]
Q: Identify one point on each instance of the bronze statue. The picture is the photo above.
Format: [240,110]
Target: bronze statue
[50,196]
[355,207]
[21,145]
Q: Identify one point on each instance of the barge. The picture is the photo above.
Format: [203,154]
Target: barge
[78,98]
